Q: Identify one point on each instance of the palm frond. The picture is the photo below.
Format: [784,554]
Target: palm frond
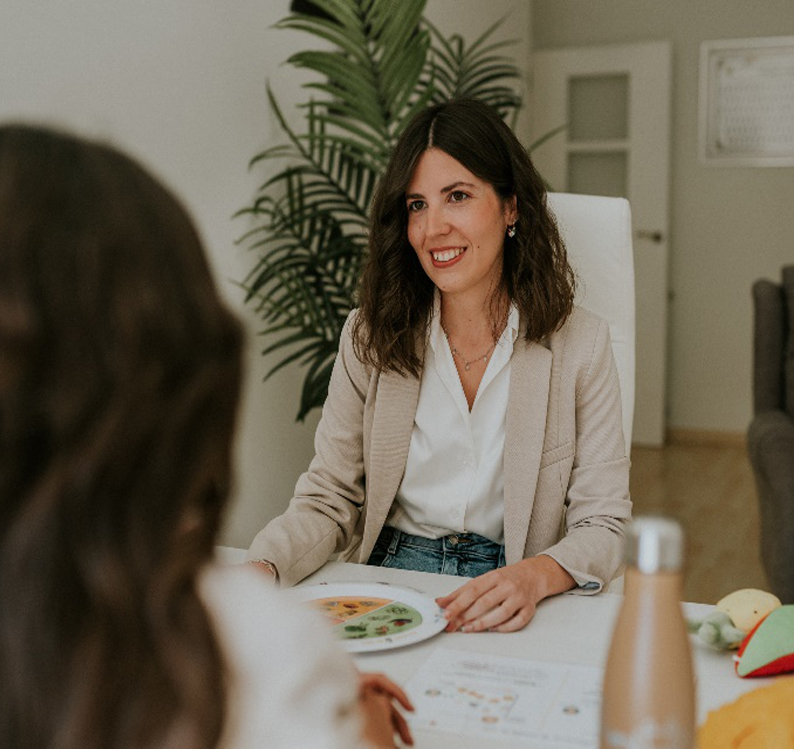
[476,71]
[547,136]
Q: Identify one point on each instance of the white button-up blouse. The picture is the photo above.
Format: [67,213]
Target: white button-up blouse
[453,481]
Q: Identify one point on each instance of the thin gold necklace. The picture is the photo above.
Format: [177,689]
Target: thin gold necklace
[466,363]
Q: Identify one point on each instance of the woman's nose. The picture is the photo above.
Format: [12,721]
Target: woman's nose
[437,222]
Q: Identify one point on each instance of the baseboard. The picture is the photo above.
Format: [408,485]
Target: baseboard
[705,437]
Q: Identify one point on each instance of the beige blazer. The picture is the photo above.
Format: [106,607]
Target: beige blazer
[566,474]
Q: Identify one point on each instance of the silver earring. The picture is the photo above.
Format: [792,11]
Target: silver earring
[511,230]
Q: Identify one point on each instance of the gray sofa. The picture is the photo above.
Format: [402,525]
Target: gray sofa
[770,438]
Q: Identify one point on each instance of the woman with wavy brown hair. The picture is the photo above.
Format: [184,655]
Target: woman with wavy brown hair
[473,420]
[119,378]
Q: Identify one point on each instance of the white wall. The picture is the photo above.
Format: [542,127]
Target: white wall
[180,84]
[729,225]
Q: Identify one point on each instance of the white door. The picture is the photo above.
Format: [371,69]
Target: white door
[616,103]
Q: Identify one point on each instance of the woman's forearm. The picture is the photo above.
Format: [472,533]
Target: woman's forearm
[551,576]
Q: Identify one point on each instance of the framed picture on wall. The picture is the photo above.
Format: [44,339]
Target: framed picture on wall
[747,102]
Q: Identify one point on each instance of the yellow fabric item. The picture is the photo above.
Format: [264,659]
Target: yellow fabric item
[761,719]
[746,607]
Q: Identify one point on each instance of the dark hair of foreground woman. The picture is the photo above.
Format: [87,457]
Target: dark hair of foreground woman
[119,376]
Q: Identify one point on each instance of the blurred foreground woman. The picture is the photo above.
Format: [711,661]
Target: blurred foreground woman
[119,379]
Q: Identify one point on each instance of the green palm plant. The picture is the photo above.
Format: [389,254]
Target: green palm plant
[309,218]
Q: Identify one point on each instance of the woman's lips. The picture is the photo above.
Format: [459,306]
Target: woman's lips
[444,257]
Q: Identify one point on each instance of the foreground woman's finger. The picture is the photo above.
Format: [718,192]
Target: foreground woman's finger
[384,684]
[401,727]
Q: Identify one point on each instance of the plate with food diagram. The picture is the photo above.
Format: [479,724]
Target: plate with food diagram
[374,616]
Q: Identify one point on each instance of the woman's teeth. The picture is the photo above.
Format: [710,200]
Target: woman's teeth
[446,255]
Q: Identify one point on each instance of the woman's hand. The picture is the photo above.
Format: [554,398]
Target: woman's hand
[267,567]
[504,600]
[382,719]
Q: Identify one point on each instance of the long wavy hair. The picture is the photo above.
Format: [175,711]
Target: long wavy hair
[396,296]
[119,376]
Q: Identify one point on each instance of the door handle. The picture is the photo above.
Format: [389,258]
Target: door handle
[654,236]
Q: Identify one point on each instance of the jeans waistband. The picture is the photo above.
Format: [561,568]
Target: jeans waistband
[453,542]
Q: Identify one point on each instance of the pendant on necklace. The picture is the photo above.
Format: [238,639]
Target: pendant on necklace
[466,363]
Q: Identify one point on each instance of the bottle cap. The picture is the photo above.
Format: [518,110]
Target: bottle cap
[655,544]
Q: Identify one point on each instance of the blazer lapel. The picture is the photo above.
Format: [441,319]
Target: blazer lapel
[392,426]
[525,429]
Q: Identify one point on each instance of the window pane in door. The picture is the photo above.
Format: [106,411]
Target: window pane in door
[598,107]
[598,174]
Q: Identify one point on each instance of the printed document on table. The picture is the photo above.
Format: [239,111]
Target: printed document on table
[553,705]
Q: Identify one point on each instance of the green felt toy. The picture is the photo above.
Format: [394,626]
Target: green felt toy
[717,631]
[736,615]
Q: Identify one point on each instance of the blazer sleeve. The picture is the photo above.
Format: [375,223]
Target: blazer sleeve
[597,500]
[323,513]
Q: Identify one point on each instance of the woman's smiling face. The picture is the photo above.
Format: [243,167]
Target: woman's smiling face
[456,225]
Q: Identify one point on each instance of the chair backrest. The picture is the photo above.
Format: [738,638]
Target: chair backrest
[597,234]
[770,325]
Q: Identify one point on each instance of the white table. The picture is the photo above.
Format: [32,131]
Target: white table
[567,629]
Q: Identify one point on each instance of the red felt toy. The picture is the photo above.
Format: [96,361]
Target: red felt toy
[768,648]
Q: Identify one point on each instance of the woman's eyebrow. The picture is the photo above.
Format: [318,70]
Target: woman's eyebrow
[455,185]
[444,190]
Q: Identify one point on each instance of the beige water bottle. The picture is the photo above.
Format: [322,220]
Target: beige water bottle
[649,691]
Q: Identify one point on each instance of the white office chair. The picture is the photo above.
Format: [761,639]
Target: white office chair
[597,234]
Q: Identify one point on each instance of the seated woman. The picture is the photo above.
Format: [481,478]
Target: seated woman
[119,378]
[473,420]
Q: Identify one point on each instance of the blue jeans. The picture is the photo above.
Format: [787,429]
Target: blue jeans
[464,554]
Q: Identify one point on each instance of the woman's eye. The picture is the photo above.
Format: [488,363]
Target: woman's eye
[456,196]
[416,205]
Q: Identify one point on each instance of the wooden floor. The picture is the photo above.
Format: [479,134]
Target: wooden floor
[710,490]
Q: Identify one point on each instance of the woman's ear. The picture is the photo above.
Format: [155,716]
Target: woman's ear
[511,210]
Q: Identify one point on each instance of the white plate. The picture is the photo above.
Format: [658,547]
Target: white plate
[374,616]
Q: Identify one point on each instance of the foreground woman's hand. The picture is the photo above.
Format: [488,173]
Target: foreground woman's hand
[504,600]
[381,717]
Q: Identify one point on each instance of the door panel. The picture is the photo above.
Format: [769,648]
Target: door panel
[616,102]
